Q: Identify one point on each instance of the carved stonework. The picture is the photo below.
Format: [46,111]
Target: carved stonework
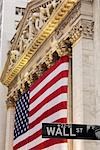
[26,42]
[83,28]
[88,28]
[55,57]
[48,60]
[35,21]
[65,48]
[26,85]
[10,102]
[74,14]
[43,12]
[34,77]
[14,55]
[44,67]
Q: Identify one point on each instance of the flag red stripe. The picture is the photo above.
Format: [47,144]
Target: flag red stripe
[61,120]
[62,105]
[39,132]
[48,143]
[49,84]
[35,135]
[59,91]
[21,143]
[37,101]
[41,78]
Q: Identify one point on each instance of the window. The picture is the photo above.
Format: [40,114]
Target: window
[19,11]
[23,10]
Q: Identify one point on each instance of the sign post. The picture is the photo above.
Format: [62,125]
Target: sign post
[71,131]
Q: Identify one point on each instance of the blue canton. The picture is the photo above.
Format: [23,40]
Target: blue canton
[21,115]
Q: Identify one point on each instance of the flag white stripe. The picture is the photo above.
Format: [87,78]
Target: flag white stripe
[53,74]
[37,141]
[54,87]
[48,105]
[21,137]
[61,146]
[25,147]
[51,118]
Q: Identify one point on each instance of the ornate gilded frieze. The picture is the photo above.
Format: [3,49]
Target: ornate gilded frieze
[63,48]
[84,28]
[36,26]
[69,20]
[34,22]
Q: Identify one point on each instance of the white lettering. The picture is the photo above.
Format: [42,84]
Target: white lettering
[64,132]
[58,132]
[50,130]
[79,130]
[71,134]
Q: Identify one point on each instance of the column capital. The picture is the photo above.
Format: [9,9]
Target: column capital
[84,28]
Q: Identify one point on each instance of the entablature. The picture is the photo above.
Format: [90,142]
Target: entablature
[46,46]
[32,74]
[40,20]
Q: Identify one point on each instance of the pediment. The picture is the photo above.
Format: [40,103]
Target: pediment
[40,20]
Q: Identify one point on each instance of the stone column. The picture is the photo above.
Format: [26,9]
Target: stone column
[83,89]
[96,13]
[3,112]
[83,73]
[10,125]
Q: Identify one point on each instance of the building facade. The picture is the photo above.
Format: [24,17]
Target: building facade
[49,29]
[8,20]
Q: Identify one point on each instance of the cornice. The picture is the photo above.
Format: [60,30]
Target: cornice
[53,22]
[63,48]
[69,20]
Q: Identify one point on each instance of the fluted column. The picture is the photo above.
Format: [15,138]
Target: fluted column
[97,60]
[97,55]
[10,125]
[83,73]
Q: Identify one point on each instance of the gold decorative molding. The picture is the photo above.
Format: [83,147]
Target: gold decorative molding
[69,20]
[63,48]
[55,19]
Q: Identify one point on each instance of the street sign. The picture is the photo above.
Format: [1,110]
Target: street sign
[70,131]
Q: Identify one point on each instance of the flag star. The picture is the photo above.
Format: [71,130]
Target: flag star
[21,116]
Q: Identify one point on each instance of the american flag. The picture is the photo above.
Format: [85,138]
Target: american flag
[46,102]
